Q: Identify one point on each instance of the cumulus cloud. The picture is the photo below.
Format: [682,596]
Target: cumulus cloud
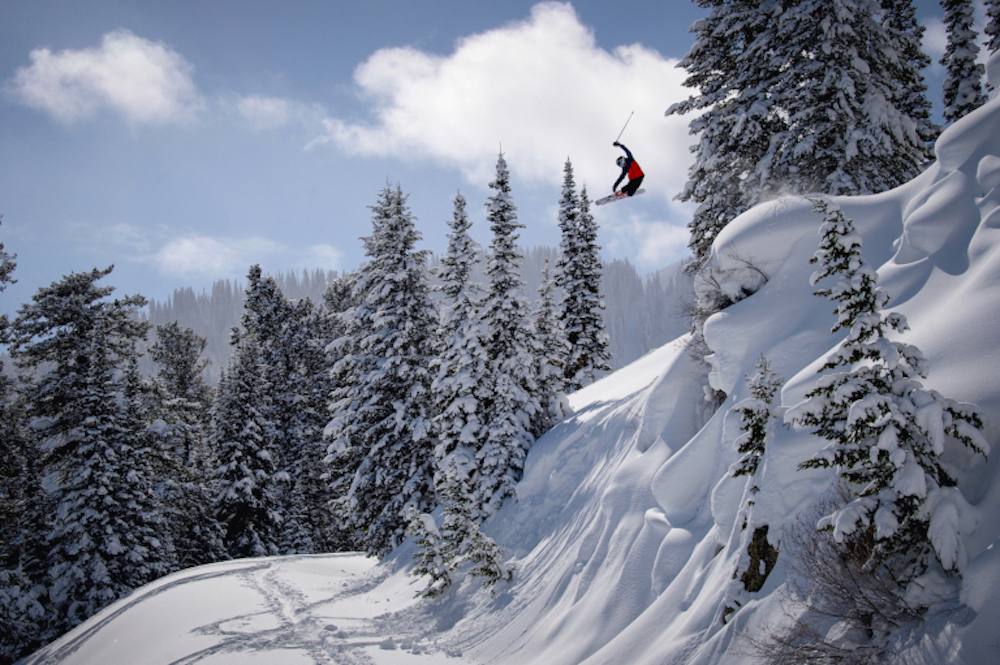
[542,88]
[144,81]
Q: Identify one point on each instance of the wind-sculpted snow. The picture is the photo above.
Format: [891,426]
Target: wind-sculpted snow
[629,531]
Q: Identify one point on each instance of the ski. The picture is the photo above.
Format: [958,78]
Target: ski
[616,197]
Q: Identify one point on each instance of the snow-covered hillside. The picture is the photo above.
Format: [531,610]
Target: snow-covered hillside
[628,527]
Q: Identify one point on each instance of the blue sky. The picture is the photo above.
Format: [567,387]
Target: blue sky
[183,141]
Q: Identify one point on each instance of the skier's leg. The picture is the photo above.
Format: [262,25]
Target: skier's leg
[632,186]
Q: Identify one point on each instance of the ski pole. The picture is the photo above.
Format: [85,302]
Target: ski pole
[626,125]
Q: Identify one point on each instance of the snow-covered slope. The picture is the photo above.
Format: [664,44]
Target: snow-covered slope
[627,530]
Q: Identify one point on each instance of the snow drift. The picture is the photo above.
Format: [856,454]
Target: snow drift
[628,526]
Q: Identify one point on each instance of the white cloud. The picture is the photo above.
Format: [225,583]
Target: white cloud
[212,257]
[542,88]
[650,243]
[200,255]
[324,255]
[935,40]
[146,82]
[264,113]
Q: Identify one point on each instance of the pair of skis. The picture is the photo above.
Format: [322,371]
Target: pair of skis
[617,196]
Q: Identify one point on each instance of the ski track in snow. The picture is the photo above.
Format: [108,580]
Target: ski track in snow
[339,625]
[314,629]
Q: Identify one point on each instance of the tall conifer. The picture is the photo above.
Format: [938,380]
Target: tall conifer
[512,406]
[381,438]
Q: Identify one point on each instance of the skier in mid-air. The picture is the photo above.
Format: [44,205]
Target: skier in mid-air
[630,168]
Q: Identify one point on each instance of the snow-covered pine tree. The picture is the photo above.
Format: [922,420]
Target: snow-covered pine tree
[184,399]
[906,34]
[462,388]
[292,337]
[21,615]
[338,304]
[511,409]
[337,297]
[463,543]
[266,320]
[434,555]
[106,535]
[183,412]
[462,370]
[13,441]
[842,69]
[309,523]
[812,96]
[337,311]
[731,66]
[554,351]
[248,479]
[757,418]
[459,542]
[582,306]
[887,433]
[963,83]
[381,438]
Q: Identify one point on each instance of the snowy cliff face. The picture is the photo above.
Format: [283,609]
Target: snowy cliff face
[628,527]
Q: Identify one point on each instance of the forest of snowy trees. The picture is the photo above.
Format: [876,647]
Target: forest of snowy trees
[641,313]
[340,423]
[347,411]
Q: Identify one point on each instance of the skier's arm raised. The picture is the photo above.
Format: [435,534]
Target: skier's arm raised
[627,163]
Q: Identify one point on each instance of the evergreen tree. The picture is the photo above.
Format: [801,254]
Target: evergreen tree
[13,440]
[183,408]
[22,616]
[732,66]
[963,84]
[887,433]
[811,96]
[309,524]
[248,479]
[848,133]
[462,371]
[906,34]
[106,534]
[512,409]
[184,399]
[291,337]
[580,278]
[459,543]
[382,446]
[462,388]
[434,556]
[555,349]
[757,417]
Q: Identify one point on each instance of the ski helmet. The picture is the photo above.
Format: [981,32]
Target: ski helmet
[620,162]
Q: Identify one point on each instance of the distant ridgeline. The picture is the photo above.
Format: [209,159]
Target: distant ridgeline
[640,314]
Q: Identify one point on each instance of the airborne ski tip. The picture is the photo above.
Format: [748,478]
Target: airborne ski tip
[616,197]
